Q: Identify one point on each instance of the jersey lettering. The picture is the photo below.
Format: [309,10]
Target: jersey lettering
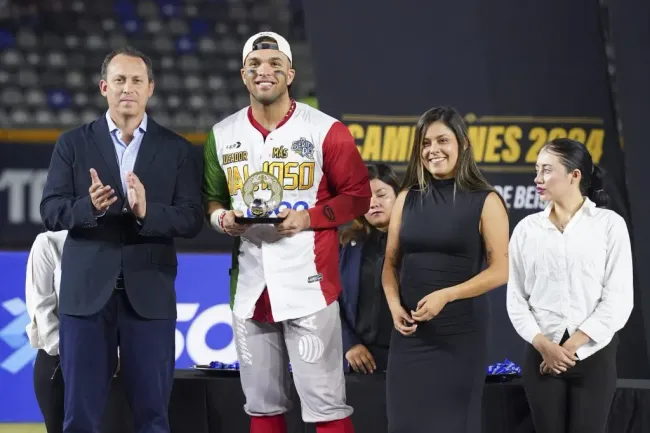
[235,178]
[299,205]
[293,175]
[231,158]
[279,152]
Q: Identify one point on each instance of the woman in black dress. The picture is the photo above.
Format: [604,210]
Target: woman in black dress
[445,222]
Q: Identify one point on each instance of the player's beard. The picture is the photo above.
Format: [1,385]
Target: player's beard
[269,98]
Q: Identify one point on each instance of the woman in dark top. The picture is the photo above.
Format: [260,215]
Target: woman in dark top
[445,222]
[365,317]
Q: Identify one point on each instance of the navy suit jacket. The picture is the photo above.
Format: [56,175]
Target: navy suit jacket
[350,258]
[97,250]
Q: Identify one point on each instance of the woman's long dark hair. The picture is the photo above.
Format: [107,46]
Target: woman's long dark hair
[360,227]
[468,175]
[575,156]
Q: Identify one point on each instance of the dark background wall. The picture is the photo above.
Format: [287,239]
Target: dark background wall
[521,75]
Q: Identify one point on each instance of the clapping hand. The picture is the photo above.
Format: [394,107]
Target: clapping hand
[136,195]
[102,196]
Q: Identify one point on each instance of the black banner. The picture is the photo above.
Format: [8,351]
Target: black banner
[630,37]
[520,74]
[23,170]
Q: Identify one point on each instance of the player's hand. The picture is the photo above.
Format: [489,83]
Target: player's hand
[430,306]
[102,196]
[360,359]
[294,222]
[404,323]
[229,224]
[136,195]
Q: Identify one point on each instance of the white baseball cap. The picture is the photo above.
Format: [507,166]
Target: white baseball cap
[283,45]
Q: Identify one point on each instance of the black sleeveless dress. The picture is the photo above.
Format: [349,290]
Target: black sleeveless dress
[435,377]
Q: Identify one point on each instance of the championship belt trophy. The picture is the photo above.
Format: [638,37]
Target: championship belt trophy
[258,184]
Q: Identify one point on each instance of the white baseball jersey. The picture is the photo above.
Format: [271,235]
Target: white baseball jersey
[320,169]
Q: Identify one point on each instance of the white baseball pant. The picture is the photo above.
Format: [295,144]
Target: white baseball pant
[313,345]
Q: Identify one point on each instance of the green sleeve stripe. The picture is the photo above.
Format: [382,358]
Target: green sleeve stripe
[215,185]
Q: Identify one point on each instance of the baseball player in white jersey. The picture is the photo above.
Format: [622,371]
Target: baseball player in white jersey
[284,277]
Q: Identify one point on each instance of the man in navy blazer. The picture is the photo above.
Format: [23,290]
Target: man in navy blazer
[124,187]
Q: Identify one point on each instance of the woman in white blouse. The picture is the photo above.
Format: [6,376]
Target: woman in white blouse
[42,296]
[570,290]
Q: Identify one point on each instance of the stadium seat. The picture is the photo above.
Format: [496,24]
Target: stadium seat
[50,60]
